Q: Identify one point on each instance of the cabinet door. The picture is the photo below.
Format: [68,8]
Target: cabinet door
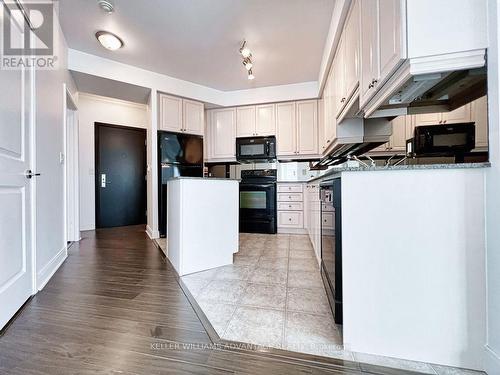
[265,120]
[245,121]
[194,117]
[351,51]
[458,115]
[397,142]
[223,134]
[330,118]
[410,126]
[428,119]
[339,79]
[479,111]
[369,49]
[307,127]
[392,44]
[286,129]
[170,113]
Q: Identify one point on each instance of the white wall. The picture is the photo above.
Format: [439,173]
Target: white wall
[92,109]
[414,265]
[50,239]
[493,197]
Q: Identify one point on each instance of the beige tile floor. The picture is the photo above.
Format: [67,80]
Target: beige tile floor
[273,296]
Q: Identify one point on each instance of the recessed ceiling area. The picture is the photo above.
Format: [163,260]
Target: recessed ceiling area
[110,88]
[199,40]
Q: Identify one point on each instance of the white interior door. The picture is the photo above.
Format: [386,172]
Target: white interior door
[16,262]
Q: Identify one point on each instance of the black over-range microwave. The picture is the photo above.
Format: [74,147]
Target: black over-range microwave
[255,148]
[442,140]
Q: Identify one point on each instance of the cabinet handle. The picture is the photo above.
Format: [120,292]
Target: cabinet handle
[440,121]
[374,81]
[370,86]
[328,141]
[444,122]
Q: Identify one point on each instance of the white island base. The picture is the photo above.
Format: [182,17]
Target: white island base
[202,223]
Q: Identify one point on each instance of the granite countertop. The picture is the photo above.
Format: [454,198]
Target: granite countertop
[203,178]
[333,171]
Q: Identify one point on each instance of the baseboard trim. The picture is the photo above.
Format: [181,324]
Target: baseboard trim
[292,231]
[491,361]
[45,274]
[152,233]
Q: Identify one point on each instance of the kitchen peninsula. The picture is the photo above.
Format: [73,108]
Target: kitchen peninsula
[202,223]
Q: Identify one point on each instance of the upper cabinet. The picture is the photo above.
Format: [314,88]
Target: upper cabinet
[221,135]
[257,120]
[286,129]
[245,121]
[194,117]
[170,113]
[180,115]
[307,127]
[297,129]
[265,120]
[383,43]
[462,114]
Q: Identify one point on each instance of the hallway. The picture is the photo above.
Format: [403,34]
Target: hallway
[115,306]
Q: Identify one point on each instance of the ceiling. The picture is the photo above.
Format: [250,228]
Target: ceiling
[198,40]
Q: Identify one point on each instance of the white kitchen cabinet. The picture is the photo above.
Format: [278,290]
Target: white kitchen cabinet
[307,127]
[297,128]
[181,115]
[194,117]
[462,114]
[245,121]
[290,208]
[392,38]
[222,135]
[370,64]
[479,114]
[329,118]
[257,120]
[170,113]
[312,217]
[265,120]
[397,142]
[347,74]
[338,79]
[286,129]
[383,43]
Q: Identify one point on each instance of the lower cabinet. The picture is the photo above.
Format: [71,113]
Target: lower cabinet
[313,217]
[290,207]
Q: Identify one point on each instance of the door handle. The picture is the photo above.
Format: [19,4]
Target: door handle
[29,174]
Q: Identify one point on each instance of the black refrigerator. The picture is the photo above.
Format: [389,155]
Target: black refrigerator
[178,155]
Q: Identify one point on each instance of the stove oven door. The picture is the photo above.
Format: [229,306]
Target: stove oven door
[258,208]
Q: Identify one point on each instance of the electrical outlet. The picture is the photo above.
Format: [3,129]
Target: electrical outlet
[61,158]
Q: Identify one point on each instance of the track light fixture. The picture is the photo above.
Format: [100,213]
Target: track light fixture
[247,59]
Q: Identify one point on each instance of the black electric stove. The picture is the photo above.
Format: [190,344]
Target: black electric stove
[258,201]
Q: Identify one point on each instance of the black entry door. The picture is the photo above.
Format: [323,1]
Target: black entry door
[120,170]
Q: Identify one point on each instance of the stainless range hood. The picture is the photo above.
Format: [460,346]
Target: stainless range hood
[431,84]
[356,136]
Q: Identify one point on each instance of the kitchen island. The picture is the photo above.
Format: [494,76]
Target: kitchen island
[413,260]
[202,223]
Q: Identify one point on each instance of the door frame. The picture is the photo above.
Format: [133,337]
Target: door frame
[97,125]
[71,172]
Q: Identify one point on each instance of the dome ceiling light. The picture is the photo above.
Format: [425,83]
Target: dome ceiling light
[109,40]
[247,59]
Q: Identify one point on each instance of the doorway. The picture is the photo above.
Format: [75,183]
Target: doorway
[72,168]
[120,170]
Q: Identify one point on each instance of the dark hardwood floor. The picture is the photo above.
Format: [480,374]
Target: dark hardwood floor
[115,307]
